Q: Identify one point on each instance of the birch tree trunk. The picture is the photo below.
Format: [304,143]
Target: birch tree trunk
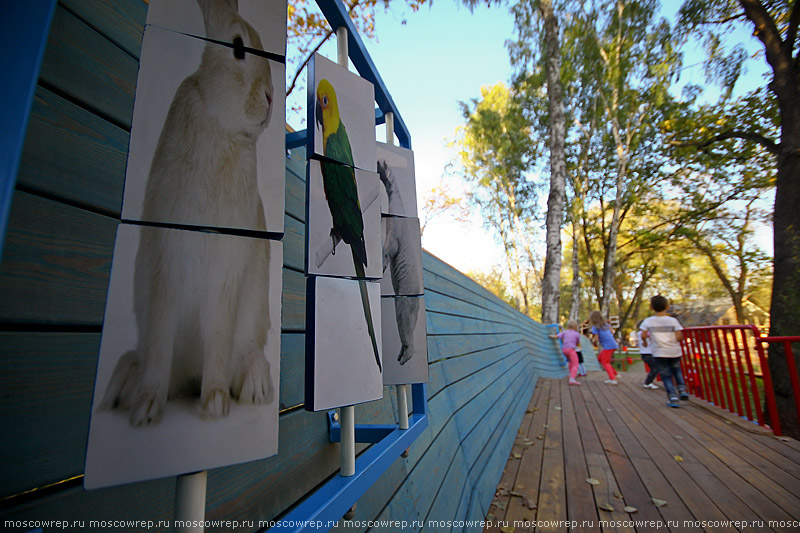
[558,167]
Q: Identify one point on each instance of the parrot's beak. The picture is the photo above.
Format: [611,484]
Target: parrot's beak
[318,113]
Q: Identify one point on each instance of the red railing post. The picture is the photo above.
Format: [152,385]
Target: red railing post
[714,363]
[732,371]
[769,392]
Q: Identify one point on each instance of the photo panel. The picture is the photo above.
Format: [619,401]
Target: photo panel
[405,342]
[402,257]
[230,172]
[343,357]
[396,170]
[266,17]
[165,402]
[344,104]
[328,255]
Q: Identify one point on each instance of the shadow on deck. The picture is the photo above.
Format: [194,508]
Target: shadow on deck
[599,457]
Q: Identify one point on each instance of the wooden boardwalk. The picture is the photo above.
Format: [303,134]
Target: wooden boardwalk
[585,454]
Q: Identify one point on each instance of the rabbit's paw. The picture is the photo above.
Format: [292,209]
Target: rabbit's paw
[147,410]
[257,385]
[216,403]
[405,355]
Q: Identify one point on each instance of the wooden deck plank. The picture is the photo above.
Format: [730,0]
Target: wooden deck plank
[580,498]
[724,478]
[530,464]
[663,452]
[611,467]
[552,505]
[702,426]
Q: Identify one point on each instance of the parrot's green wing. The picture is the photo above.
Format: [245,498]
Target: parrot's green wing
[338,146]
[341,192]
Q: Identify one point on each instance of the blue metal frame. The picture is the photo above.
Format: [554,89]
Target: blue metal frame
[328,504]
[23,36]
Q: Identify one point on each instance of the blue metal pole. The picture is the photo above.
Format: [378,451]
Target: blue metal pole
[24,27]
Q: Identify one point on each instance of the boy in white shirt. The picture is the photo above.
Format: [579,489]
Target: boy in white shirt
[664,334]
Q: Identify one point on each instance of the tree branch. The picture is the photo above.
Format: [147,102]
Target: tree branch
[768,144]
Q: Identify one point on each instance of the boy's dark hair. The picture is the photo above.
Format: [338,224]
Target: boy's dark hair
[658,303]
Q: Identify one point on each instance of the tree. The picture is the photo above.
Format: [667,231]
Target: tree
[558,166]
[725,242]
[495,151]
[775,25]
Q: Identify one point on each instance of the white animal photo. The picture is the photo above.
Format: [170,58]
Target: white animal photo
[343,359]
[266,17]
[405,342]
[396,169]
[402,257]
[327,250]
[207,138]
[349,102]
[189,364]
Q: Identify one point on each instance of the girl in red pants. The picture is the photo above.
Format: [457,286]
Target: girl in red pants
[570,342]
[603,334]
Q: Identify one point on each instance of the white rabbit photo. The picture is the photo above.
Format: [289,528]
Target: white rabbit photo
[191,95]
[190,351]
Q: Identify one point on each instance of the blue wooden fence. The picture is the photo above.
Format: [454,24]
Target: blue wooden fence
[484,356]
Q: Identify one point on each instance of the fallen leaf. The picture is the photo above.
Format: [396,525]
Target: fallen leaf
[517,456]
[659,503]
[679,458]
[540,437]
[592,481]
[617,495]
[545,426]
[529,411]
[530,504]
[500,505]
[507,529]
[491,518]
[529,442]
[557,408]
[516,494]
[784,439]
[607,507]
[520,487]
[630,509]
[678,437]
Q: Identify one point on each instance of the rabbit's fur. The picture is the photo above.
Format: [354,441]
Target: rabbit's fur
[402,258]
[201,300]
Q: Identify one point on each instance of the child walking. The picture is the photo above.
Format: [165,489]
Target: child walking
[646,351]
[665,333]
[570,340]
[603,335]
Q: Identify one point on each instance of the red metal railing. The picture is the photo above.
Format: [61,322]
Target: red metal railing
[727,365]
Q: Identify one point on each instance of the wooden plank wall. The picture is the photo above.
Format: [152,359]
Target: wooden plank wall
[484,357]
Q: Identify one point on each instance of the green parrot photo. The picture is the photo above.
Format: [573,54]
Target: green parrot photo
[341,192]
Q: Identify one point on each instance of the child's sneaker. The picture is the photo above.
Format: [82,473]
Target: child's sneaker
[684,396]
[673,402]
[574,382]
[610,381]
[652,386]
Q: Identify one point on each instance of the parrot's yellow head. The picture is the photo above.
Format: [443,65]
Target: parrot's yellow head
[327,111]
